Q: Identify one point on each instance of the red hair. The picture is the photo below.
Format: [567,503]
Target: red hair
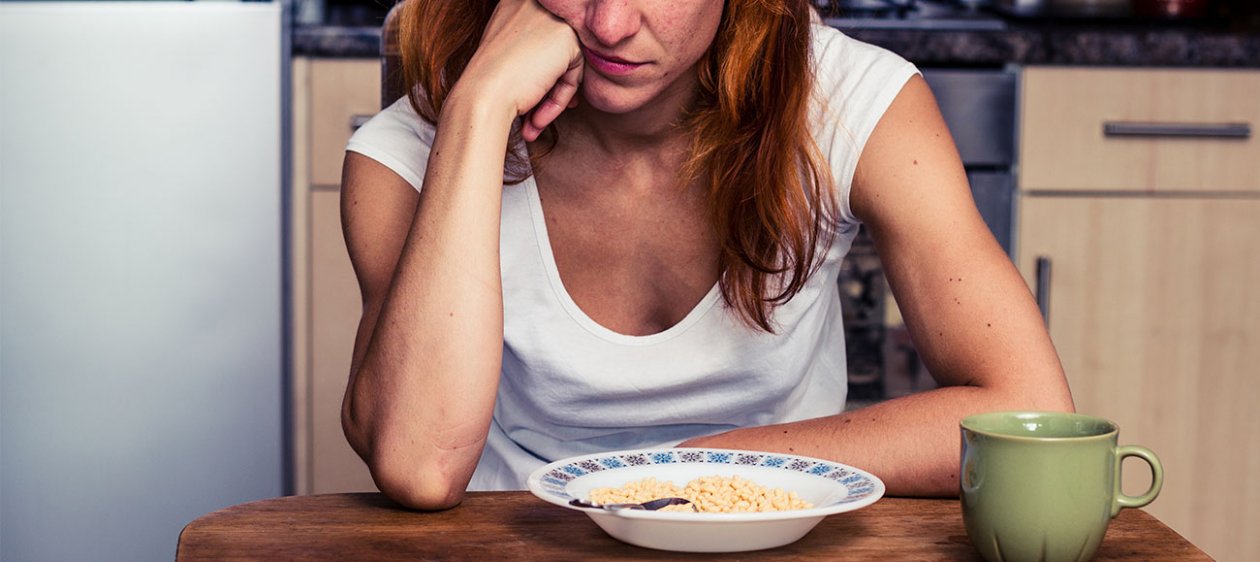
[769,190]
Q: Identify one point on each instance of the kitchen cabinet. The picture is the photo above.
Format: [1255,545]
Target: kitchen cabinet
[331,97]
[1153,246]
[1066,112]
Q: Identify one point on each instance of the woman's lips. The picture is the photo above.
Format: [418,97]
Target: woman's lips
[610,65]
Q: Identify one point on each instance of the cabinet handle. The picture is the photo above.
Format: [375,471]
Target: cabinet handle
[357,121]
[1178,130]
[1043,287]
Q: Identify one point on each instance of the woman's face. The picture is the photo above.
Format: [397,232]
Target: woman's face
[637,49]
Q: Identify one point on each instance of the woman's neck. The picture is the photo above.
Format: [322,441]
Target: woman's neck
[652,128]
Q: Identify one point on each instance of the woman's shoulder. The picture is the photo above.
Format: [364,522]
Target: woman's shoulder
[843,63]
[855,83]
[398,138]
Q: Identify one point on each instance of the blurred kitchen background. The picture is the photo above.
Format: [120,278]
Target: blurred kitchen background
[177,308]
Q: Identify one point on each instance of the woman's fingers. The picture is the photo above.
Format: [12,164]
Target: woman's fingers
[563,95]
[530,59]
[524,53]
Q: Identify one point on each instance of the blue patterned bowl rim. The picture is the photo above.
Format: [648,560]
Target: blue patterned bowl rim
[550,482]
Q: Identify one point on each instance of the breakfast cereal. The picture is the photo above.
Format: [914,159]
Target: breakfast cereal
[709,494]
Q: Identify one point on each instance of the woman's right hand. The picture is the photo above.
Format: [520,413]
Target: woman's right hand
[529,60]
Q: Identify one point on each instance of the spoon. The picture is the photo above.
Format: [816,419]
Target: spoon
[649,505]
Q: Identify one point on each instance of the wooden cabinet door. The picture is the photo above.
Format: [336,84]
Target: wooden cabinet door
[335,311]
[330,97]
[1154,307]
[1140,130]
[344,93]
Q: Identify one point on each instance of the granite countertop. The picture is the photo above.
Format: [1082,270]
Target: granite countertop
[336,41]
[1072,45]
[1113,45]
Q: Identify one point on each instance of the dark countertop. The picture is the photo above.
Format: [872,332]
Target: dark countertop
[335,41]
[1099,45]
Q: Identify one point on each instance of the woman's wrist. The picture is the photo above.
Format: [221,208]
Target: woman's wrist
[464,105]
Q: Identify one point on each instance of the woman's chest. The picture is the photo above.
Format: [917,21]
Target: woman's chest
[636,255]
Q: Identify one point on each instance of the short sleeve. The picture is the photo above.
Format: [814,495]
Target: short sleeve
[399,139]
[855,84]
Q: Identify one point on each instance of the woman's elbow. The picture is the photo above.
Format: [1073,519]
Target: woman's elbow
[1055,397]
[1050,403]
[1063,403]
[401,470]
[421,481]
[416,484]
[1048,393]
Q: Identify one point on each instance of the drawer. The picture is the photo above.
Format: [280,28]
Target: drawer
[1142,130]
[343,93]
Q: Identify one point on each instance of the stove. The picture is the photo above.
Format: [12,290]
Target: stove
[961,15]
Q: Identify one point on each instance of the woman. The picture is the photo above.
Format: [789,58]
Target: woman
[606,224]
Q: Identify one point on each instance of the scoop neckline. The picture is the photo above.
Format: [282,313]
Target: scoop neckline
[575,312]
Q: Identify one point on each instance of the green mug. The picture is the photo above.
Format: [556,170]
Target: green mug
[1044,485]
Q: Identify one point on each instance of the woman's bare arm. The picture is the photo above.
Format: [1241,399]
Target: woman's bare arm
[970,315]
[427,356]
[429,347]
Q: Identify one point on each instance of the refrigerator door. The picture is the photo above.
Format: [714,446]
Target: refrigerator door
[141,333]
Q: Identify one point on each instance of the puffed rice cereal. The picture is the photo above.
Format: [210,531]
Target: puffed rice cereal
[710,494]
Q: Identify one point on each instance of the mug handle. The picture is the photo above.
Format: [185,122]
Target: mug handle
[1157,478]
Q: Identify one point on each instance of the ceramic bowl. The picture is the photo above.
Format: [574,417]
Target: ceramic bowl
[830,486]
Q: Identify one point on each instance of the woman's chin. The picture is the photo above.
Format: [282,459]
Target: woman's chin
[617,102]
[651,95]
[607,106]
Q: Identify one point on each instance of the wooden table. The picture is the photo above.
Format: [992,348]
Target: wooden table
[516,525]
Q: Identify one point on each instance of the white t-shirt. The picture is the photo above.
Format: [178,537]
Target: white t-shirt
[570,386]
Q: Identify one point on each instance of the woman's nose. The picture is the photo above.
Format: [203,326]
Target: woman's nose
[612,21]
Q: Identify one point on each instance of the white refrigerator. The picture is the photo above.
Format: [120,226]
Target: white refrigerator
[142,332]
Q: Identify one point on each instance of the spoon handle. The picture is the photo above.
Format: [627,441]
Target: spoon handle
[649,506]
[607,506]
